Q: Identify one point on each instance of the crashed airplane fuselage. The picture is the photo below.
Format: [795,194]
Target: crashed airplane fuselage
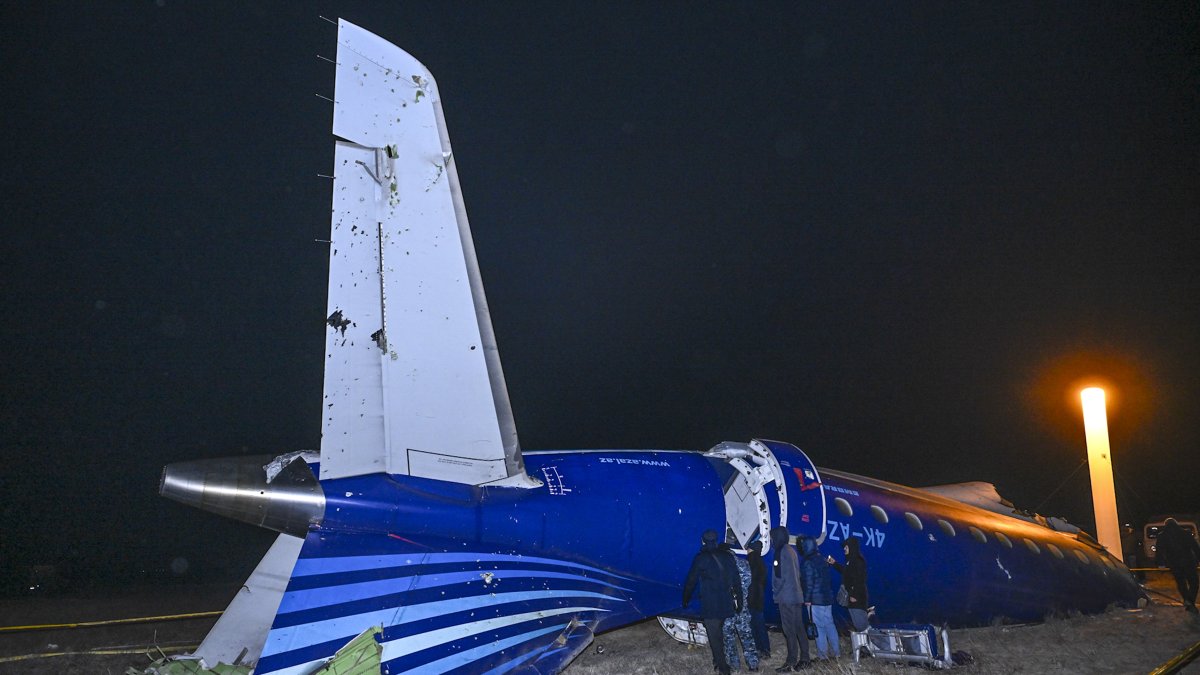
[422,516]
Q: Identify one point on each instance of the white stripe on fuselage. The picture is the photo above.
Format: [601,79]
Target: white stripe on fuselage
[448,663]
[302,635]
[324,596]
[356,563]
[414,643]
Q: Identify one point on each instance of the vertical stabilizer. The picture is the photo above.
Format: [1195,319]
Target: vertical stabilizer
[413,383]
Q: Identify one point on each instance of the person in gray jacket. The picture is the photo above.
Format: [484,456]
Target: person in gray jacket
[789,597]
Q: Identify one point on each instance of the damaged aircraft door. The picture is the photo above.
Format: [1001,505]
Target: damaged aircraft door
[767,484]
[801,493]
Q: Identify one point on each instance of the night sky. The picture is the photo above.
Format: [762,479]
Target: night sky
[898,235]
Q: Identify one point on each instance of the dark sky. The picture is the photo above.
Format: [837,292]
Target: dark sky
[899,236]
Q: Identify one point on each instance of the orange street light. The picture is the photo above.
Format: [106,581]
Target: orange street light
[1104,495]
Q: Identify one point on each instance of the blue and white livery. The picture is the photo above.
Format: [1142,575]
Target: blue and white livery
[422,518]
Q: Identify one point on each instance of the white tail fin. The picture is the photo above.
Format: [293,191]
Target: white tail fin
[413,383]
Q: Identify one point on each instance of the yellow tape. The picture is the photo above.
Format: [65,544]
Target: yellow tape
[88,624]
[1176,664]
[98,652]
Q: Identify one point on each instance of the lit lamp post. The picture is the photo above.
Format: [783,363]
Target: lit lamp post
[1104,496]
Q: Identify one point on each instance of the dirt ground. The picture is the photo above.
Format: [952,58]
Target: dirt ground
[75,650]
[1120,641]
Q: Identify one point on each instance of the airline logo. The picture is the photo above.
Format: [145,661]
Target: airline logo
[808,480]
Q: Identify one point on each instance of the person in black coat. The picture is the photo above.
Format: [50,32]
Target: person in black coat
[1178,551]
[715,571]
[854,578]
[754,599]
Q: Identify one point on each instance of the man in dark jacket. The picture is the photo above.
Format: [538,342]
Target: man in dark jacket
[818,595]
[788,594]
[755,598]
[1178,550]
[715,571]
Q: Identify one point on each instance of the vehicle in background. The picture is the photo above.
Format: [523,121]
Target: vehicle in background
[1154,526]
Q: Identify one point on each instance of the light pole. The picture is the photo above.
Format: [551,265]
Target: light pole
[1104,495]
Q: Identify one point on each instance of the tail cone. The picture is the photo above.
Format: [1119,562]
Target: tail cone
[238,488]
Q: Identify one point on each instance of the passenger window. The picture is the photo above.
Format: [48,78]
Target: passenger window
[946,527]
[879,514]
[1003,539]
[844,507]
[913,521]
[1032,546]
[978,534]
[1055,550]
[1082,556]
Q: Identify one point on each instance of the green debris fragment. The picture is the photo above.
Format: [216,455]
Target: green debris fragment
[361,656]
[420,82]
[440,168]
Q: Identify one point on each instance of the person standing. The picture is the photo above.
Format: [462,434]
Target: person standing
[755,597]
[854,578]
[789,597]
[737,627]
[818,595]
[1129,548]
[714,570]
[1179,552]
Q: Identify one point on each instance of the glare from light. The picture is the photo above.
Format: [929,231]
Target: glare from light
[1094,417]
[1104,495]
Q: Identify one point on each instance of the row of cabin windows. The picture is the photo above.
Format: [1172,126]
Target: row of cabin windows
[915,523]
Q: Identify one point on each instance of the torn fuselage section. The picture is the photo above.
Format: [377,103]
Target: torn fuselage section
[278,493]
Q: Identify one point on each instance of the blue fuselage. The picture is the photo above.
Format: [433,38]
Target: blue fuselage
[638,516]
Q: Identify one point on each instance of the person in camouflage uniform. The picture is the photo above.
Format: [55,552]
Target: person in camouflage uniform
[737,627]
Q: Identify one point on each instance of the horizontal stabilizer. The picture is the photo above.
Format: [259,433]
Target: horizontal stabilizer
[239,635]
[985,496]
[976,493]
